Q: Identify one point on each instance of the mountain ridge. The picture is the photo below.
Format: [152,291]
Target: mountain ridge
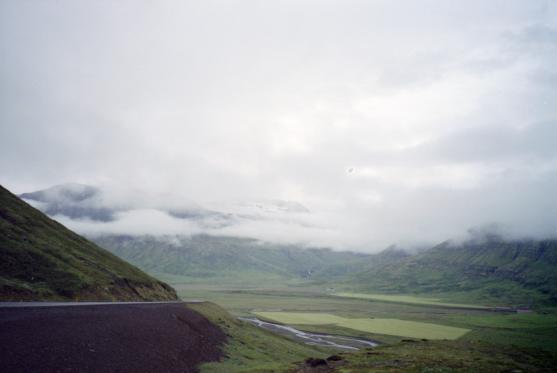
[518,271]
[213,256]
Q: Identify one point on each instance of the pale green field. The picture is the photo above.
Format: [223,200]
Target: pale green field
[402,328]
[407,299]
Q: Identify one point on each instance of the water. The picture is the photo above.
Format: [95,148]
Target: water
[325,340]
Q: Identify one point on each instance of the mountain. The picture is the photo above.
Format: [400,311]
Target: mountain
[206,257]
[486,269]
[70,192]
[73,200]
[341,271]
[79,201]
[41,259]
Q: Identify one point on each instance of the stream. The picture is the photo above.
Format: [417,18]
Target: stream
[325,340]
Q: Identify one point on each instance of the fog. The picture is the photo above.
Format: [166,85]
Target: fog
[390,121]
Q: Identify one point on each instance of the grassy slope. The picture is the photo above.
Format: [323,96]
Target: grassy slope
[441,357]
[205,258]
[252,349]
[41,259]
[490,271]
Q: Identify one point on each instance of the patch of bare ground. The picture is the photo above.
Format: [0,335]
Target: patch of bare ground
[107,338]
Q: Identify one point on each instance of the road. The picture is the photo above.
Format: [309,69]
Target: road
[117,337]
[66,304]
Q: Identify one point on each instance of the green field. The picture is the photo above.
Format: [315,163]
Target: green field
[252,349]
[496,341]
[408,299]
[535,330]
[402,328]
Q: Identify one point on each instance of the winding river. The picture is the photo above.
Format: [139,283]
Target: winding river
[325,340]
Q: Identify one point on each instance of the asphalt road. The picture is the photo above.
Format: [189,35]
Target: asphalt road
[66,304]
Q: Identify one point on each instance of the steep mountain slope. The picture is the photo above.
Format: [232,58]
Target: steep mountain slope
[41,259]
[365,263]
[206,257]
[488,268]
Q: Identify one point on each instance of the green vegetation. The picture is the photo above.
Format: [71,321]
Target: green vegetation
[252,349]
[40,259]
[403,328]
[225,260]
[407,299]
[448,291]
[441,357]
[484,271]
[487,271]
[496,341]
[302,318]
[392,297]
[534,330]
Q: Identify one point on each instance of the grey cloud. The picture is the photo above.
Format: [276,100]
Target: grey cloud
[444,110]
[496,143]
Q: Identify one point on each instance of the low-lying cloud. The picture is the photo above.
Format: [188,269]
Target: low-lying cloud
[392,122]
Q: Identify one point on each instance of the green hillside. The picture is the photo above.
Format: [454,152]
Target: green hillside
[485,271]
[511,272]
[40,259]
[210,258]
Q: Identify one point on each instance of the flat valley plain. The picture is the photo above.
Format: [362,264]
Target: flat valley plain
[537,330]
[395,327]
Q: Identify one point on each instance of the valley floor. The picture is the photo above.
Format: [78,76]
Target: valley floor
[488,340]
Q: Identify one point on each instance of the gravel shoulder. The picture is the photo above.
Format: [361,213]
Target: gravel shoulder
[107,338]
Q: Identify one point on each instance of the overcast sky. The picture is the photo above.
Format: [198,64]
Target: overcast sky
[392,121]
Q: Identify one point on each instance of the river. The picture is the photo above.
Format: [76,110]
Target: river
[325,340]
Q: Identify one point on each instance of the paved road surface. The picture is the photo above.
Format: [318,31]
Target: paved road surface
[65,304]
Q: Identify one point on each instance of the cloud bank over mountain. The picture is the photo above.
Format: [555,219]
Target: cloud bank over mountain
[404,122]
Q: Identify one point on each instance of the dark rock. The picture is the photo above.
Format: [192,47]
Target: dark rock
[314,362]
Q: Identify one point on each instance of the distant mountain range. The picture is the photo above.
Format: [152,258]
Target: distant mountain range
[491,271]
[486,268]
[491,268]
[78,201]
[40,259]
[210,257]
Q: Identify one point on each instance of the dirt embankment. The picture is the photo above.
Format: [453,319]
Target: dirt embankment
[107,338]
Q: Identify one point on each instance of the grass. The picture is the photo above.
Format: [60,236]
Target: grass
[402,328]
[41,259]
[252,349]
[408,299]
[303,318]
[237,280]
[534,330]
[443,357]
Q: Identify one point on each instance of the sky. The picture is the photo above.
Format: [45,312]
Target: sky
[392,121]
